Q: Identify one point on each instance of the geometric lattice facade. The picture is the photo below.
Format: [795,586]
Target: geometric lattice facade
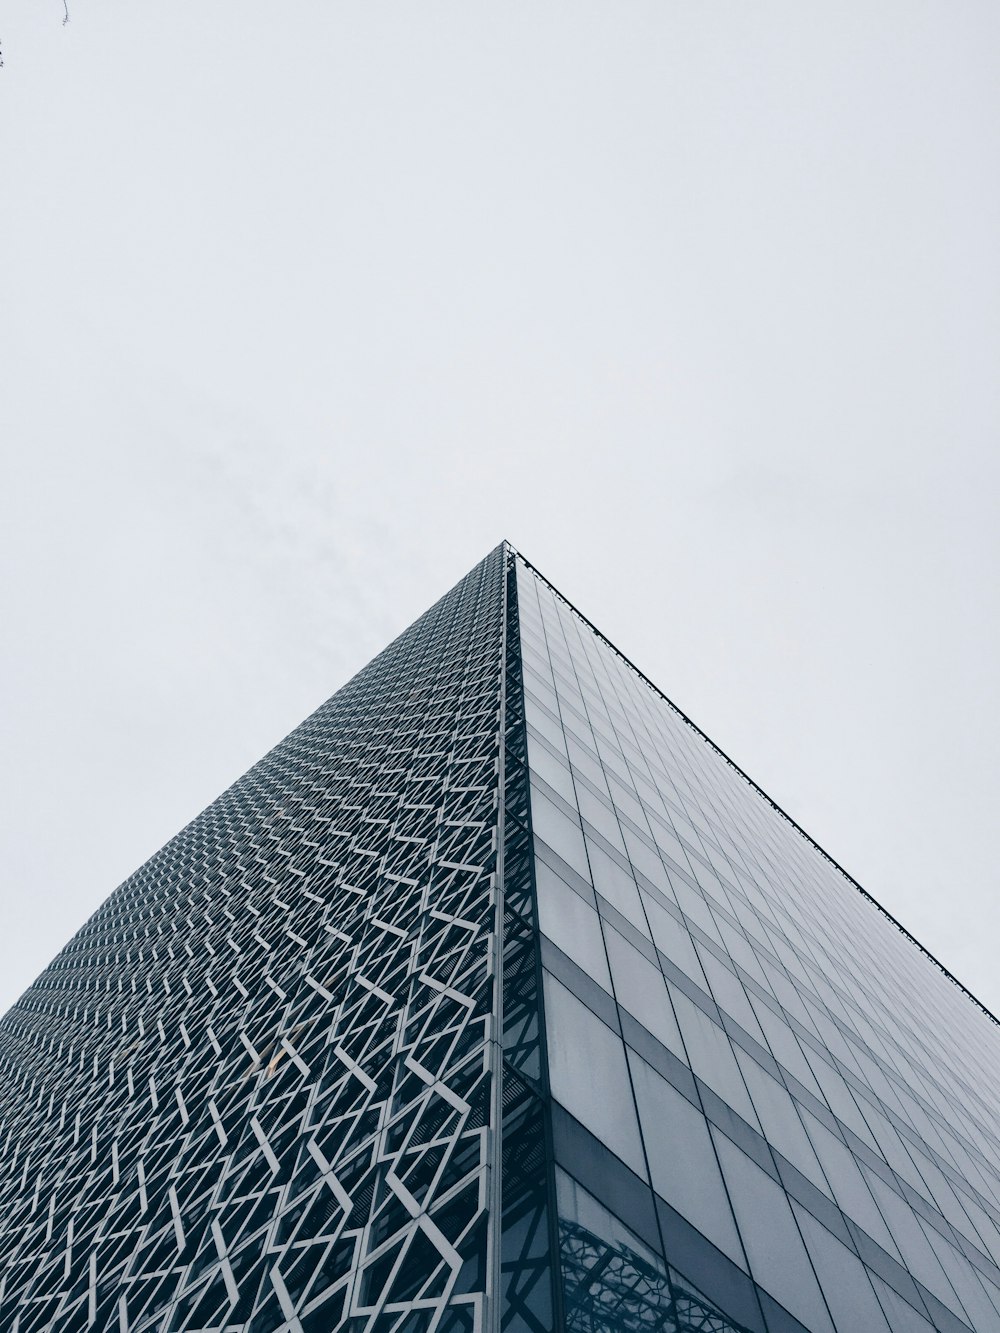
[496,997]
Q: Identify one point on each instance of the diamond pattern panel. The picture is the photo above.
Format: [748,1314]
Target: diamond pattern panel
[254,1092]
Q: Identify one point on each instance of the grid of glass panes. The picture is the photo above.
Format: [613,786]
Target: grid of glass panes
[756,1076]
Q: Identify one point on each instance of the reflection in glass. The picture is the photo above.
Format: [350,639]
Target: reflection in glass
[609,1288]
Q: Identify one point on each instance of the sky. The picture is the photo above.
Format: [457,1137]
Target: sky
[306,306]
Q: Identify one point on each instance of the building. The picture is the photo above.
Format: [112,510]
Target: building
[497,997]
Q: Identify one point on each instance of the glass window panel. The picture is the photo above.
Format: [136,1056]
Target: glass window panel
[577,1205]
[986,1235]
[672,938]
[586,762]
[704,874]
[616,884]
[740,952]
[779,1118]
[550,769]
[614,1283]
[540,686]
[963,1279]
[846,1181]
[571,924]
[785,1046]
[902,1317]
[682,1162]
[918,1257]
[729,994]
[992,1290]
[892,1150]
[589,1075]
[600,816]
[640,988]
[561,833]
[843,1278]
[785,993]
[840,1098]
[710,1056]
[543,723]
[667,840]
[695,908]
[936,1188]
[778,1259]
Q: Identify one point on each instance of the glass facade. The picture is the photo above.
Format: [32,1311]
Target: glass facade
[770,1109]
[496,997]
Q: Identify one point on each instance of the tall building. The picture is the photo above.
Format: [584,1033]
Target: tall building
[497,997]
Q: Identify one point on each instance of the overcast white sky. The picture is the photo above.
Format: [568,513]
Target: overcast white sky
[305,306]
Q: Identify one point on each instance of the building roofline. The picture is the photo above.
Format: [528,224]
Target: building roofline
[749,780]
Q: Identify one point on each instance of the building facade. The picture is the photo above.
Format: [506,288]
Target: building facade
[497,997]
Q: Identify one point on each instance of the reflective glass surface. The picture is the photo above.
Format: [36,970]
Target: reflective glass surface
[764,1082]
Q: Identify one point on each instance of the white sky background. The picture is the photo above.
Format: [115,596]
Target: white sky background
[305,306]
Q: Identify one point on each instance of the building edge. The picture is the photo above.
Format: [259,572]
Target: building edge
[637,671]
